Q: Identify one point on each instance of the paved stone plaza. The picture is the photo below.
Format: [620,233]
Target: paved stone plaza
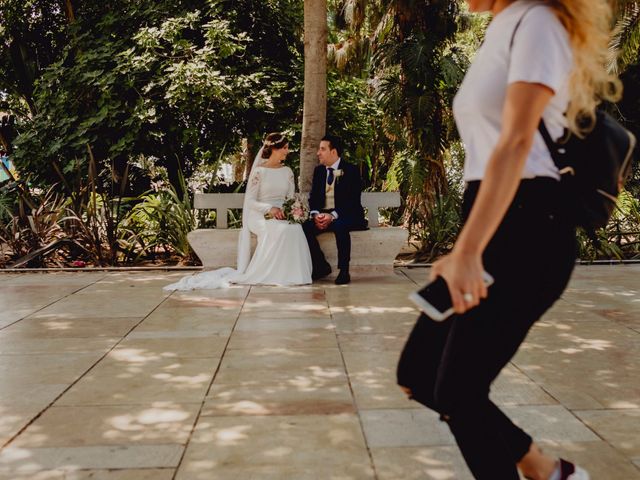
[105,376]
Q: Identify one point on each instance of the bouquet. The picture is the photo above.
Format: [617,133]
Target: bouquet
[295,209]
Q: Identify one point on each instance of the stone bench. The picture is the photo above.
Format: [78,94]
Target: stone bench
[372,250]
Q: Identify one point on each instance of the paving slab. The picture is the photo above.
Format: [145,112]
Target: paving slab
[119,474]
[283,323]
[373,379]
[330,398]
[134,378]
[25,460]
[80,426]
[45,326]
[620,428]
[14,418]
[179,326]
[420,463]
[296,339]
[173,347]
[308,446]
[313,366]
[48,345]
[279,382]
[45,369]
[26,395]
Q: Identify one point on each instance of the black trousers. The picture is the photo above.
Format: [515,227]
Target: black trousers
[449,366]
[341,228]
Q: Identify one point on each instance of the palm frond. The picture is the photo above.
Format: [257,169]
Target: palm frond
[625,44]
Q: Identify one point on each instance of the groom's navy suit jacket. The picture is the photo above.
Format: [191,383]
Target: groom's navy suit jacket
[347,191]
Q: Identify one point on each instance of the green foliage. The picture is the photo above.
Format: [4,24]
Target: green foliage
[351,114]
[434,231]
[100,229]
[629,111]
[625,44]
[416,74]
[417,68]
[161,220]
[416,56]
[32,35]
[23,231]
[163,79]
[7,204]
[621,238]
[441,228]
[624,227]
[102,94]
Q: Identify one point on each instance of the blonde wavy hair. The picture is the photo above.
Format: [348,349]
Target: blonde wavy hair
[588,23]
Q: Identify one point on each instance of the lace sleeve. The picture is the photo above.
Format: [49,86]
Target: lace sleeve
[253,189]
[292,185]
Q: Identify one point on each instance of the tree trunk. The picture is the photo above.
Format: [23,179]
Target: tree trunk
[248,153]
[314,117]
[69,11]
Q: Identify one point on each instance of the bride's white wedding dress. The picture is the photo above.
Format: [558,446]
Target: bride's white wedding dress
[282,254]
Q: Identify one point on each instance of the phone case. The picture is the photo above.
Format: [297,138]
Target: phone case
[431,294]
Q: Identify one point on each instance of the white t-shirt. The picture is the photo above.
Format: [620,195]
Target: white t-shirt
[541,53]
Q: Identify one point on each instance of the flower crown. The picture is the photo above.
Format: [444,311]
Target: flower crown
[271,143]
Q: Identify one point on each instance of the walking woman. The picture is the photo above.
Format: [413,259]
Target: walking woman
[540,60]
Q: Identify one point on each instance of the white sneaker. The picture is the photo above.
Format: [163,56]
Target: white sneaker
[569,471]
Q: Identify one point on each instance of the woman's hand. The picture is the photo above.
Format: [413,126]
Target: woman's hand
[463,274]
[276,213]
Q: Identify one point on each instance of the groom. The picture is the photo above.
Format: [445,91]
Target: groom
[335,207]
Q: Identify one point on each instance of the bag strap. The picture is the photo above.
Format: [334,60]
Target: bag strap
[542,128]
[515,29]
[551,144]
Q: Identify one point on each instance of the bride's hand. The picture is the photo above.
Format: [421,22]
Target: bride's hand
[463,274]
[276,213]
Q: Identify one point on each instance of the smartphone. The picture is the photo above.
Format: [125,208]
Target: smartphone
[434,298]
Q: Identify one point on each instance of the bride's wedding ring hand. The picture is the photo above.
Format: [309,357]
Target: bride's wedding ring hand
[276,213]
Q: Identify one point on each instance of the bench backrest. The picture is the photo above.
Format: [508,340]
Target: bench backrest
[222,202]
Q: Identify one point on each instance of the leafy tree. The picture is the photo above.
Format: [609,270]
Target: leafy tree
[626,41]
[352,115]
[417,74]
[415,66]
[178,81]
[32,35]
[626,46]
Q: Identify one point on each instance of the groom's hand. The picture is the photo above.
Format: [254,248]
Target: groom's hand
[323,220]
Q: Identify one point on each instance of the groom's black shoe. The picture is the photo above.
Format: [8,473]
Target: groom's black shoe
[321,272]
[343,277]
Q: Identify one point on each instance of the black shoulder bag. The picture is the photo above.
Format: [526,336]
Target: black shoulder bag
[594,168]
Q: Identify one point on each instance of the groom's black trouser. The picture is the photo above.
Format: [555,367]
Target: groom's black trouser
[449,366]
[341,228]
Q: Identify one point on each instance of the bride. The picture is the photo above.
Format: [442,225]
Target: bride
[282,253]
